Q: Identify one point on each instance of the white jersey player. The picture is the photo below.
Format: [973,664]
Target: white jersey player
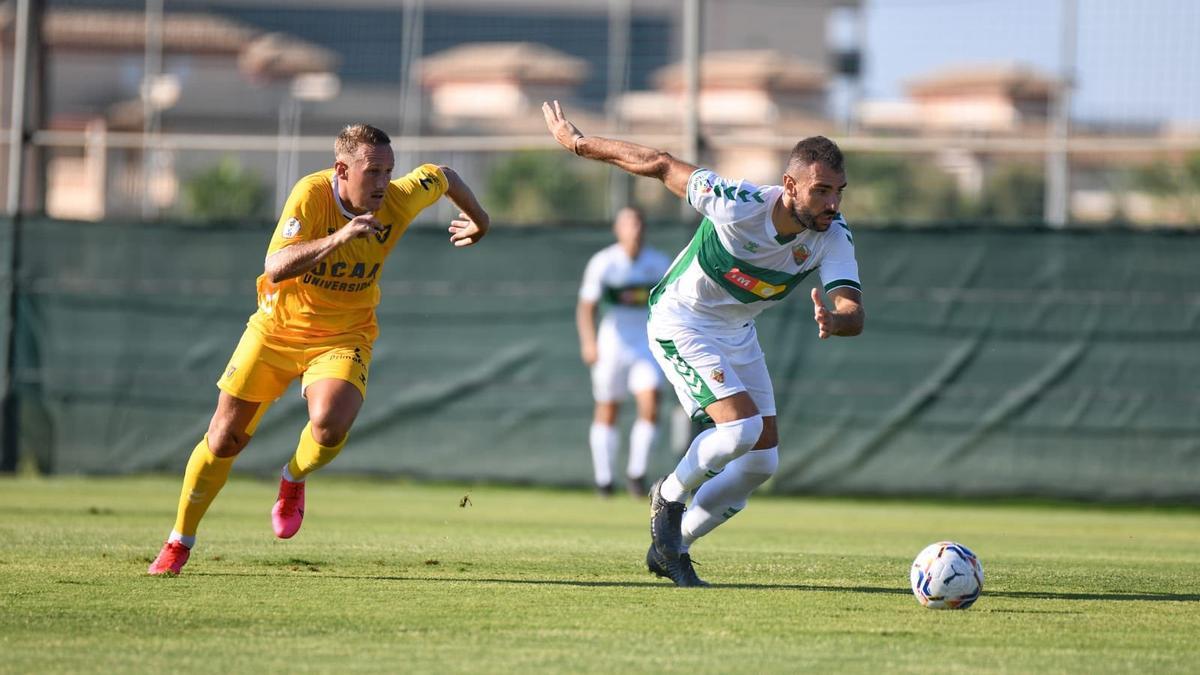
[754,246]
[620,276]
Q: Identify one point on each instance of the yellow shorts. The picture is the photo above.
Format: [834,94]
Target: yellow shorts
[262,366]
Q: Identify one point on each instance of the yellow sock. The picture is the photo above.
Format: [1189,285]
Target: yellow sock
[310,456]
[205,476]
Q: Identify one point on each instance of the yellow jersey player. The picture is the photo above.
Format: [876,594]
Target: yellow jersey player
[315,320]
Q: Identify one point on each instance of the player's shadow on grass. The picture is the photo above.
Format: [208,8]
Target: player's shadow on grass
[1025,595]
[1040,595]
[1022,595]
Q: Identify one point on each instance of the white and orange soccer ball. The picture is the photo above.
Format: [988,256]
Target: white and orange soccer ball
[946,575]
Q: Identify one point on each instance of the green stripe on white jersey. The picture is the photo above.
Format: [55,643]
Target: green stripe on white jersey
[737,263]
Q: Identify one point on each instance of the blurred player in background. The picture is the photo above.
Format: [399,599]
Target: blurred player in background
[315,320]
[754,246]
[621,276]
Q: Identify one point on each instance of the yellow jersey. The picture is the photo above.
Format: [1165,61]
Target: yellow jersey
[339,295]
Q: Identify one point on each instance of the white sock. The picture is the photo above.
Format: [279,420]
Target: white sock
[725,495]
[711,450]
[287,475]
[186,541]
[603,440]
[641,440]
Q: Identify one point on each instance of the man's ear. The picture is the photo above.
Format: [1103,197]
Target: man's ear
[342,169]
[789,185]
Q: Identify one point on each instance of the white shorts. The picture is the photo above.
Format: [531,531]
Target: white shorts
[705,368]
[618,372]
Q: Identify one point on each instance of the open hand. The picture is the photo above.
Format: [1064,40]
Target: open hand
[821,315]
[464,231]
[564,132]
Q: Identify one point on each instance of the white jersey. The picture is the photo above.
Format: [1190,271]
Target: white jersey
[738,264]
[623,284]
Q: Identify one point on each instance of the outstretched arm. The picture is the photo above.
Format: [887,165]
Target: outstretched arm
[636,159]
[473,221]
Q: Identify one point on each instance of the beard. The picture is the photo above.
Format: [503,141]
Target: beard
[809,220]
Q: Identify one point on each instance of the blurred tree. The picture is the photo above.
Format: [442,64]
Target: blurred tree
[1013,193]
[226,191]
[1175,186]
[545,187]
[891,188]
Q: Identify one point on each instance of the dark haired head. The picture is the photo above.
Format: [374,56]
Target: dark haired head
[812,150]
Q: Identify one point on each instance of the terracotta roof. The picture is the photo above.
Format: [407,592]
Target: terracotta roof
[277,54]
[1013,80]
[523,61]
[260,54]
[97,29]
[753,68]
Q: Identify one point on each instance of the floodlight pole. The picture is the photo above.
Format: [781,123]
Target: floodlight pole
[412,46]
[691,87]
[16,126]
[619,19]
[151,69]
[10,406]
[1058,169]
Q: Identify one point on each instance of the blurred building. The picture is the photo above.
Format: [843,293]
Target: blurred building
[217,76]
[753,91]
[989,100]
[484,66]
[497,86]
[998,99]
[1008,105]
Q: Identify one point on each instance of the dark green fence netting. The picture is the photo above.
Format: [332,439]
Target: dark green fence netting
[995,362]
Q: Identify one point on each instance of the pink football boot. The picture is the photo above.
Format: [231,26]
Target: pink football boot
[288,512]
[170,560]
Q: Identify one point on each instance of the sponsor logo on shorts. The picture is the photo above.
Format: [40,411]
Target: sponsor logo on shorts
[230,371]
[717,375]
[291,228]
[355,357]
[750,246]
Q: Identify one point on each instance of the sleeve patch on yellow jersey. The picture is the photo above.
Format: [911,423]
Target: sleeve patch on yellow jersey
[291,228]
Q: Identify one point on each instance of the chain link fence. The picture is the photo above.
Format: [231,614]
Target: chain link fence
[985,111]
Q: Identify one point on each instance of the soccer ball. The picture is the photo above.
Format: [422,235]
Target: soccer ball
[946,575]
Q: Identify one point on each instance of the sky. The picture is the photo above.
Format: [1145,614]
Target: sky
[1136,60]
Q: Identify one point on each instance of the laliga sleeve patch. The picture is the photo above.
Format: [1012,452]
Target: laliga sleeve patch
[291,228]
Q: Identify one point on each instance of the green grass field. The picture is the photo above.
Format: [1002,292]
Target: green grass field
[396,577]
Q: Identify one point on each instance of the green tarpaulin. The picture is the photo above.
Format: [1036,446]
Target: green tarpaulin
[994,362]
